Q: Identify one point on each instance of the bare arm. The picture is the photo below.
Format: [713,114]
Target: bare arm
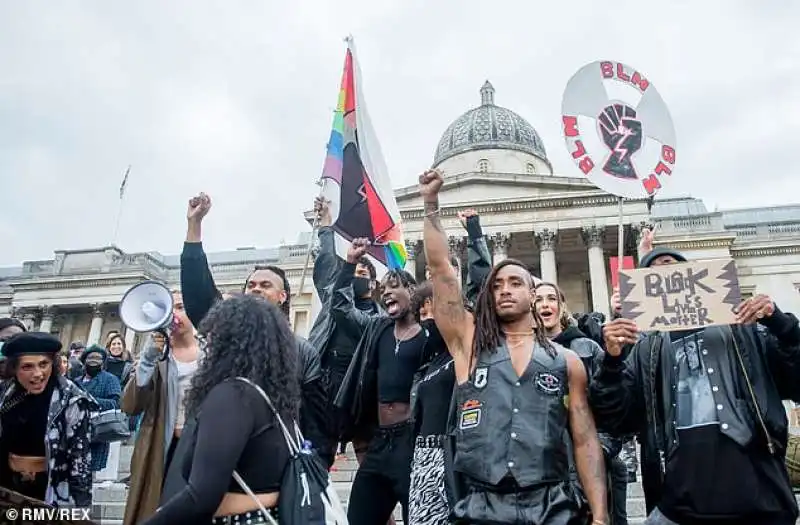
[589,458]
[452,319]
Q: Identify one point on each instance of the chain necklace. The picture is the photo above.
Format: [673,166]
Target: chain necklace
[521,341]
[401,338]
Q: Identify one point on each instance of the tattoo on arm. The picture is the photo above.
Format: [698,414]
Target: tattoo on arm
[589,458]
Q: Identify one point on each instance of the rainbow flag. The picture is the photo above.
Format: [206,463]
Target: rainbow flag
[354,164]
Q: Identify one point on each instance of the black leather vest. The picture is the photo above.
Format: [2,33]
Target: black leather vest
[510,425]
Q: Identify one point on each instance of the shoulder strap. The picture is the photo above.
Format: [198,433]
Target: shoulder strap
[261,508]
[295,442]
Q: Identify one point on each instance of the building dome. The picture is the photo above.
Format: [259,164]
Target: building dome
[488,127]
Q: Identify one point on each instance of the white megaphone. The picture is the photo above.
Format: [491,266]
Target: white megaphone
[147,307]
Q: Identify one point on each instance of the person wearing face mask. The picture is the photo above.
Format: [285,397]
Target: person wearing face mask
[335,337]
[45,425]
[104,387]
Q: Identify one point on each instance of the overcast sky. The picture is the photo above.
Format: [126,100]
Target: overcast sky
[236,99]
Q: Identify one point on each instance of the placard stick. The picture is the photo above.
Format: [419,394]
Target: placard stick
[620,235]
[314,227]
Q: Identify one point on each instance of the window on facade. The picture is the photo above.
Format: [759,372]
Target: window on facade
[483,165]
[531,169]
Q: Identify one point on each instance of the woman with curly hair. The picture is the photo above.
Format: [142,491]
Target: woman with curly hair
[229,425]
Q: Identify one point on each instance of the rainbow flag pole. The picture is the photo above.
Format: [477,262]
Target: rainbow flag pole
[333,160]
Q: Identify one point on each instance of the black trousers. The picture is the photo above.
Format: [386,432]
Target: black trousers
[383,479]
[618,491]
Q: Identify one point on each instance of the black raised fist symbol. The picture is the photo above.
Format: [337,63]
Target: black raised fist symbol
[622,134]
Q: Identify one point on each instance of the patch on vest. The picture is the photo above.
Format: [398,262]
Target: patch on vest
[548,383]
[470,417]
[481,377]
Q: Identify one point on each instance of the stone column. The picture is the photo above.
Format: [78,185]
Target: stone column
[66,330]
[411,260]
[130,338]
[594,236]
[500,244]
[546,239]
[28,319]
[96,328]
[47,319]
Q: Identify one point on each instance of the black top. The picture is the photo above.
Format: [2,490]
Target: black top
[433,396]
[397,366]
[25,424]
[236,430]
[711,477]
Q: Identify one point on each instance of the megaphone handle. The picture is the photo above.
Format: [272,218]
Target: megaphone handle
[165,352]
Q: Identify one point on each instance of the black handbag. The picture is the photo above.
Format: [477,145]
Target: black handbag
[109,426]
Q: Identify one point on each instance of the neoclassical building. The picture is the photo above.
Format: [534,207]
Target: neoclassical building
[494,161]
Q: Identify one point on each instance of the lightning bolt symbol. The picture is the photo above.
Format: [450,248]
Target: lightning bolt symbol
[618,149]
[361,191]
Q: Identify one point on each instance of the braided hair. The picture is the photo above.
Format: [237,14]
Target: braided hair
[488,334]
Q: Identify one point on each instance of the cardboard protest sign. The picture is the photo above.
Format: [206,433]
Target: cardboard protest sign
[618,129]
[681,296]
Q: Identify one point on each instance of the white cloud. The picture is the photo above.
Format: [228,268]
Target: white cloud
[236,100]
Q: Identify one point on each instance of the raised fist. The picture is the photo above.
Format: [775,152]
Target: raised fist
[646,242]
[323,211]
[430,183]
[622,135]
[463,215]
[198,207]
[357,250]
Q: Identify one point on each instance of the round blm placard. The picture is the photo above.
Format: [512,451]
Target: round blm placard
[618,130]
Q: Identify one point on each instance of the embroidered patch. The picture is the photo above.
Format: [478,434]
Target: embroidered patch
[472,403]
[548,383]
[481,377]
[470,418]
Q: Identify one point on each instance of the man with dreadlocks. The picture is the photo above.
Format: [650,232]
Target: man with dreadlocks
[376,393]
[269,282]
[517,395]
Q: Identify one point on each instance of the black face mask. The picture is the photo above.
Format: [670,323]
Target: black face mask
[92,369]
[361,287]
[435,339]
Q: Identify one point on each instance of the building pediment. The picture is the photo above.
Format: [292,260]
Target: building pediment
[482,187]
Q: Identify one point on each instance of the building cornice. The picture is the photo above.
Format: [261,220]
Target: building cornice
[723,240]
[63,282]
[579,200]
[762,251]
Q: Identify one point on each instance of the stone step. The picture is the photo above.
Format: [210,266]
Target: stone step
[111,497]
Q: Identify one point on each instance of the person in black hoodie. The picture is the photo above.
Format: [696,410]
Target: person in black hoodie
[269,282]
[551,304]
[335,337]
[708,406]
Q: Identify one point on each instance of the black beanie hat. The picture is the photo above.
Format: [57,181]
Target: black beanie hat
[648,259]
[93,349]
